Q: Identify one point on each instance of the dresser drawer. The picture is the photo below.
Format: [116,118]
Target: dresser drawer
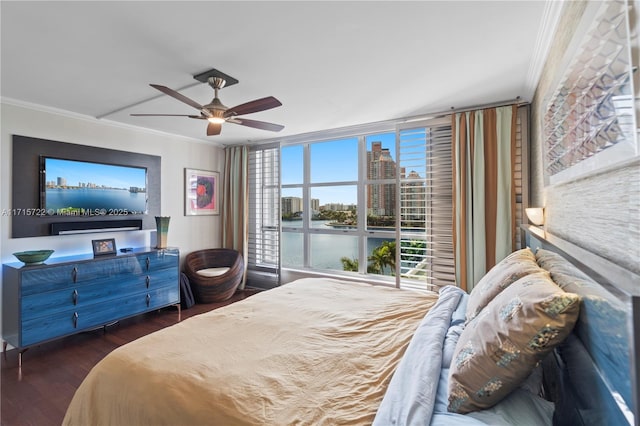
[78,295]
[47,279]
[58,277]
[161,278]
[155,261]
[70,321]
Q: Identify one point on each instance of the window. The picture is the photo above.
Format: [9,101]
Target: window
[369,204]
[376,205]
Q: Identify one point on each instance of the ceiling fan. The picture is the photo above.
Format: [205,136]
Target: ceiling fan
[217,113]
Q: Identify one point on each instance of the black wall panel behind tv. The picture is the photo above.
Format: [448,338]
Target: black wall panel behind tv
[26,186]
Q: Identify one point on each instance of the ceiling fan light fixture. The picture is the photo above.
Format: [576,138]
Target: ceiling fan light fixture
[215,112]
[216,120]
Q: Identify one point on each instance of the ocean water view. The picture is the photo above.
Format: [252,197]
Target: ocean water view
[326,249]
[113,201]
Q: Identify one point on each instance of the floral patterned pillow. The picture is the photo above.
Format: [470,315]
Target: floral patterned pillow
[504,273]
[498,349]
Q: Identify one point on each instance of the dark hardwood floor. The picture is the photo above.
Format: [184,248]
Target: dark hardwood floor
[39,394]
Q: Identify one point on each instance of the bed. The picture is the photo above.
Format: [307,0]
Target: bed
[331,352]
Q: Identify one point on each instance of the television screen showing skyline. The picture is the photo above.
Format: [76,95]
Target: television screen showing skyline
[72,187]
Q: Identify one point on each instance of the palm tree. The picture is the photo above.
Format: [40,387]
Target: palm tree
[349,264]
[383,256]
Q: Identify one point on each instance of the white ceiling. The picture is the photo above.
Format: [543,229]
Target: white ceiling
[332,64]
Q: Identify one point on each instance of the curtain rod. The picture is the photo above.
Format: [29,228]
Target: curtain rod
[380,125]
[517,101]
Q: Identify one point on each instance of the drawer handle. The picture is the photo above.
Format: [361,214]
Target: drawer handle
[148,280]
[75,320]
[148,262]
[148,300]
[74,274]
[75,297]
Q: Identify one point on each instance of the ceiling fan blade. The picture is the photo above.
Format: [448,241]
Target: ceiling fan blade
[213,129]
[168,115]
[256,124]
[178,96]
[253,106]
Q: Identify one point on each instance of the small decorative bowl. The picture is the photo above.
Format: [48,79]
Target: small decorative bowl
[33,257]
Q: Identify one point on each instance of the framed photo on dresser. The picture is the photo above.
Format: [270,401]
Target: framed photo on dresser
[104,247]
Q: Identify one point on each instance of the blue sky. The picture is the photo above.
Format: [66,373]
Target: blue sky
[100,174]
[331,161]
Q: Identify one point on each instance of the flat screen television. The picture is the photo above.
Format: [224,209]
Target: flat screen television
[84,188]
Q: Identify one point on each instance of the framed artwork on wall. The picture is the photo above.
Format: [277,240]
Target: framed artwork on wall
[201,192]
[589,123]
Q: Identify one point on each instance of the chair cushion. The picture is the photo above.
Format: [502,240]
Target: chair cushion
[212,272]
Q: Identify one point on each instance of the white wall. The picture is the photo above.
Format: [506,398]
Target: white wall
[188,233]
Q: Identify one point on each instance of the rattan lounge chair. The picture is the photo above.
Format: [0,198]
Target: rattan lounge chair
[214,274]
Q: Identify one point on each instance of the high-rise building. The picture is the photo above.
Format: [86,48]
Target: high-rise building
[339,207]
[413,197]
[381,198]
[291,205]
[294,206]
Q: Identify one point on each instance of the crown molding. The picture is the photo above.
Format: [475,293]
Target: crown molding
[548,25]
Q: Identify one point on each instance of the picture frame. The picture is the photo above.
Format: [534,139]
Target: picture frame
[588,123]
[104,247]
[201,192]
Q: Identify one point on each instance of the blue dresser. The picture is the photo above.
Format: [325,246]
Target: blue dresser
[68,295]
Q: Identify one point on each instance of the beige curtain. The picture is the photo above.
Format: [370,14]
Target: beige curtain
[235,202]
[484,190]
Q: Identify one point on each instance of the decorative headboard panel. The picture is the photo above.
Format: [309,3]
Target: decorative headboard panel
[594,375]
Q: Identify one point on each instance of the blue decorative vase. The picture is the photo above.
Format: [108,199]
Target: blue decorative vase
[162,227]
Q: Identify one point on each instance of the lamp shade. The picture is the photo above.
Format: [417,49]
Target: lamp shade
[535,215]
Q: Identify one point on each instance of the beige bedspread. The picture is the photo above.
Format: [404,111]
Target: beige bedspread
[312,352]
